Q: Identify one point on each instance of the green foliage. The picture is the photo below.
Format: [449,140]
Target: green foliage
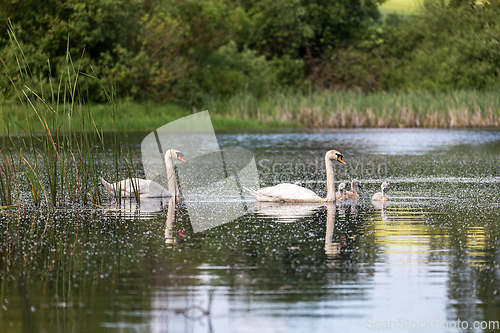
[302,32]
[181,51]
[308,28]
[150,50]
[228,70]
[444,47]
[106,29]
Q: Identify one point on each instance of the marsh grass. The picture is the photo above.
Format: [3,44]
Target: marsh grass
[52,145]
[459,109]
[454,109]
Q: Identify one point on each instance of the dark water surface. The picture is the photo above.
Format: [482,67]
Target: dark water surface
[428,261]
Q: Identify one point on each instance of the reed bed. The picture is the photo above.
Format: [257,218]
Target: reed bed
[52,150]
[459,109]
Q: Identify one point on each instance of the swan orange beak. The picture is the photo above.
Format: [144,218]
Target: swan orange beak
[341,160]
[180,158]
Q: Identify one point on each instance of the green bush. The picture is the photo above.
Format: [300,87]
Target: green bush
[228,70]
[181,51]
[445,47]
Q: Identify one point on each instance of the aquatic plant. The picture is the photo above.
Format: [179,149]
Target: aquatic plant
[355,109]
[54,151]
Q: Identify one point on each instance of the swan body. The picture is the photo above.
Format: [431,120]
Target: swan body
[381,196]
[295,193]
[340,195]
[145,188]
[287,193]
[127,188]
[353,194]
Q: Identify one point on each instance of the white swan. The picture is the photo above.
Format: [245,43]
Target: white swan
[381,196]
[353,194]
[340,195]
[147,188]
[294,193]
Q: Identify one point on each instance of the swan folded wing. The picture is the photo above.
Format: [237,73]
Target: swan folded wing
[379,196]
[151,189]
[287,192]
[130,187]
[145,189]
[127,187]
[351,195]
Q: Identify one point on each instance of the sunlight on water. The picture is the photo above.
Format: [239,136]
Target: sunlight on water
[421,262]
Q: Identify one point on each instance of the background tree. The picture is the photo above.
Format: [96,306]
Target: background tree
[184,51]
[444,47]
[303,33]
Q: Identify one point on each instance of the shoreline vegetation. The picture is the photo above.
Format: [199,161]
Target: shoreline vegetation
[434,67]
[56,107]
[52,147]
[325,110]
[460,109]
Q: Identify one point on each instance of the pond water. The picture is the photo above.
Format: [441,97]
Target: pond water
[429,260]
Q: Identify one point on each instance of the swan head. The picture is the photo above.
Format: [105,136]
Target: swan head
[176,154]
[298,183]
[342,187]
[355,184]
[384,187]
[335,155]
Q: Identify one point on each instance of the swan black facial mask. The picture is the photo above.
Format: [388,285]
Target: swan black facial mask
[180,157]
[340,158]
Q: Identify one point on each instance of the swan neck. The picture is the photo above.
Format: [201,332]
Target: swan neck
[172,185]
[330,181]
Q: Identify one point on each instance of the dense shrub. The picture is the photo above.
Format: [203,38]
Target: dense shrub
[444,47]
[184,50]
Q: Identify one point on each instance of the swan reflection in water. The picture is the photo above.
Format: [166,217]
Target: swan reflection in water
[382,205]
[170,236]
[289,213]
[146,208]
[284,212]
[333,248]
[149,208]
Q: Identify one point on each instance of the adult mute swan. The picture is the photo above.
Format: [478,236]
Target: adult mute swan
[353,194]
[340,195]
[147,188]
[381,196]
[294,193]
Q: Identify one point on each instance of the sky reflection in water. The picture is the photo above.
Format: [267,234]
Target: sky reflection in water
[431,254]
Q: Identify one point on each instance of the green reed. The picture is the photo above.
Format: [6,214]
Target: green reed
[54,151]
[355,109]
[6,178]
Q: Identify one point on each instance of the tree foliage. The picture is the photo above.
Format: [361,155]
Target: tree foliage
[183,50]
[445,47]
